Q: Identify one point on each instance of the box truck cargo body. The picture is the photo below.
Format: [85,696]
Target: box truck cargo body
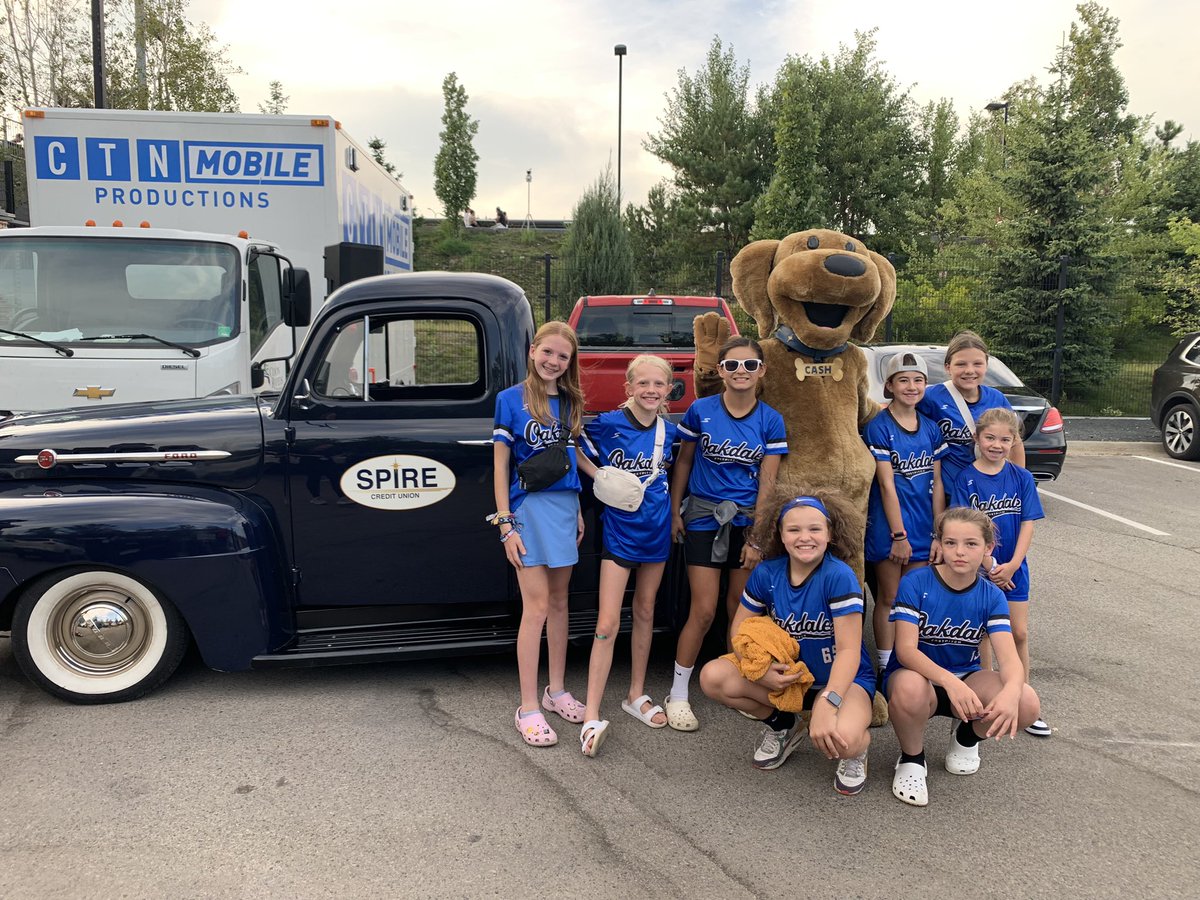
[190,211]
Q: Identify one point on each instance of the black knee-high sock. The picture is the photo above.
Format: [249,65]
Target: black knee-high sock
[780,720]
[966,735]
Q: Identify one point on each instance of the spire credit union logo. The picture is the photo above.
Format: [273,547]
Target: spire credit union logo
[397,482]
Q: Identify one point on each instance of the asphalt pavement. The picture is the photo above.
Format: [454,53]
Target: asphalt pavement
[409,780]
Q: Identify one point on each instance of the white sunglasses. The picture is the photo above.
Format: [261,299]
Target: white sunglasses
[732,365]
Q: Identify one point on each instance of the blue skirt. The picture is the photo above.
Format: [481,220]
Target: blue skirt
[549,522]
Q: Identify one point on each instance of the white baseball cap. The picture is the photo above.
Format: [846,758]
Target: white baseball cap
[903,362]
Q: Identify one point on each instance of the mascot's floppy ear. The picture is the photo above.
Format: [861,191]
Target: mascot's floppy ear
[751,269]
[865,329]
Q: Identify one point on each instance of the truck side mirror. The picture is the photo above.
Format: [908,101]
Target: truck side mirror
[297,299]
[257,377]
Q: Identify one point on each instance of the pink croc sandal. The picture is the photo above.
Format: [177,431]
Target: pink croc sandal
[534,730]
[564,704]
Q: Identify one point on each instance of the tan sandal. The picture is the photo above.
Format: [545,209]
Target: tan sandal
[680,715]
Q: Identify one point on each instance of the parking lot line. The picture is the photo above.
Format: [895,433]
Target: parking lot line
[1164,462]
[1105,513]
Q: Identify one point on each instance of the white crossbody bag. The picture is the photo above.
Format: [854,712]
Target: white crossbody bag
[623,490]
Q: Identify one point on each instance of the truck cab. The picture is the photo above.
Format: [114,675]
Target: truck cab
[340,520]
[96,316]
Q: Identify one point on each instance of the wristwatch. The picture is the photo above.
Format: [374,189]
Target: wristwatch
[833,697]
[899,535]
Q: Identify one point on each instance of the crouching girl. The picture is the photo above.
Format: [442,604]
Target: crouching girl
[941,614]
[816,598]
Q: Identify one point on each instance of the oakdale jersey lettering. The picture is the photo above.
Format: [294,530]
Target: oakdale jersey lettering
[938,405]
[639,465]
[725,452]
[539,436]
[995,506]
[910,465]
[950,623]
[947,632]
[806,627]
[526,436]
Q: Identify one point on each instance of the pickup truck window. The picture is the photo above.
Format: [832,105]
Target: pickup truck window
[629,326]
[404,358]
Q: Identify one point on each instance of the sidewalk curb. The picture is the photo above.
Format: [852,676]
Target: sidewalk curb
[1113,448]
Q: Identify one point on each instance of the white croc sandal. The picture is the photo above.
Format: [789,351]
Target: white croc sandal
[961,760]
[908,784]
[592,735]
[680,715]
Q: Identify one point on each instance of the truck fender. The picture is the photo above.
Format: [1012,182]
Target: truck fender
[215,558]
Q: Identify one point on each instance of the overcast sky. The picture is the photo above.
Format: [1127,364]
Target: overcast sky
[542,77]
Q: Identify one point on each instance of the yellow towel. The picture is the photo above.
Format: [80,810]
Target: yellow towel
[760,642]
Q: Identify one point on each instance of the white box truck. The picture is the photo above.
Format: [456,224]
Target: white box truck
[159,264]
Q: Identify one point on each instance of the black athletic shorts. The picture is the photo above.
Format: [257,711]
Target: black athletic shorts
[698,548]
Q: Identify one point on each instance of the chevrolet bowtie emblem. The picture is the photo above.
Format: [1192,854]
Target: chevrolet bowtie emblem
[94,392]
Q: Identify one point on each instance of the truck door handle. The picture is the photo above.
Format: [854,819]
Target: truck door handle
[486,443]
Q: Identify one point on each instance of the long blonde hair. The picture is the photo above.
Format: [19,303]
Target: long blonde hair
[657,362]
[569,388]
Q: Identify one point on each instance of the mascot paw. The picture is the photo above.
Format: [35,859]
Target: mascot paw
[710,331]
[879,710]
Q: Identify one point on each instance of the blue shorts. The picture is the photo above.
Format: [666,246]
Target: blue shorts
[549,522]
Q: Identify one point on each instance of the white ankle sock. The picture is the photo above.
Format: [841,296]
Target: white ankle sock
[679,685]
[883,656]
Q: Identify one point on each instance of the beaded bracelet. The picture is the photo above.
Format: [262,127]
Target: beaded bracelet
[504,537]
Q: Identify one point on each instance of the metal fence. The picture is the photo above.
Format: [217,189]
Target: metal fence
[944,291]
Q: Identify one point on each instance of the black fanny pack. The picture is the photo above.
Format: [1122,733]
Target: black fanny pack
[546,466]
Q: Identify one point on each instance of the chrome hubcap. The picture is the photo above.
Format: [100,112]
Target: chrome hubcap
[1178,430]
[98,631]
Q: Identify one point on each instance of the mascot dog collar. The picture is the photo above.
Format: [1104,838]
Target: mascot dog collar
[788,338]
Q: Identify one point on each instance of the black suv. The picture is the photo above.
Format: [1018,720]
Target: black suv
[1175,399]
[1041,424]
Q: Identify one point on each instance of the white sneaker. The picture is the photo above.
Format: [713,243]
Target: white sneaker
[961,760]
[851,775]
[1038,729]
[776,746]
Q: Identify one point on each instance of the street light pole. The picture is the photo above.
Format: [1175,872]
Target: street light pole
[993,107]
[619,51]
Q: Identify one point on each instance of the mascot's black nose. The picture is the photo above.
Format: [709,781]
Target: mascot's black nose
[847,266]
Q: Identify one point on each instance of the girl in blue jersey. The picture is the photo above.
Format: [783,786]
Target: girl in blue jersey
[966,364]
[540,531]
[941,614]
[816,598]
[638,540]
[731,447]
[907,494]
[1009,497]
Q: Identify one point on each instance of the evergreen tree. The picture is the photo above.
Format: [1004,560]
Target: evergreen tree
[377,146]
[718,144]
[277,103]
[596,251]
[454,168]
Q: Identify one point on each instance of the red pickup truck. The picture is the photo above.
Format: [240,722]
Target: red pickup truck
[613,330]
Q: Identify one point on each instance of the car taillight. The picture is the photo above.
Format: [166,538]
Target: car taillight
[1053,421]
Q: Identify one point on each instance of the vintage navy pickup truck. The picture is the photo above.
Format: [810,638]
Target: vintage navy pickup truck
[341,520]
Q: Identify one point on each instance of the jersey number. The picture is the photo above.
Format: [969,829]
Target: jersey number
[827,655]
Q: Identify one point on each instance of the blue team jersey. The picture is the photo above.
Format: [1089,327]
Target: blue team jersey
[951,622]
[806,611]
[728,453]
[938,405]
[1009,498]
[911,454]
[618,439]
[526,436]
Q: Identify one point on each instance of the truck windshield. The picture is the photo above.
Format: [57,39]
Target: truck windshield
[75,289]
[631,326]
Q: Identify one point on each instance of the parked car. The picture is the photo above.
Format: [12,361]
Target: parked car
[1041,424]
[1175,399]
[614,329]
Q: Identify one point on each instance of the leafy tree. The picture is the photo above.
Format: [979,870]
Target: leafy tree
[1182,282]
[670,250]
[277,102]
[45,47]
[718,144]
[846,152]
[377,145]
[454,168]
[1167,132]
[596,250]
